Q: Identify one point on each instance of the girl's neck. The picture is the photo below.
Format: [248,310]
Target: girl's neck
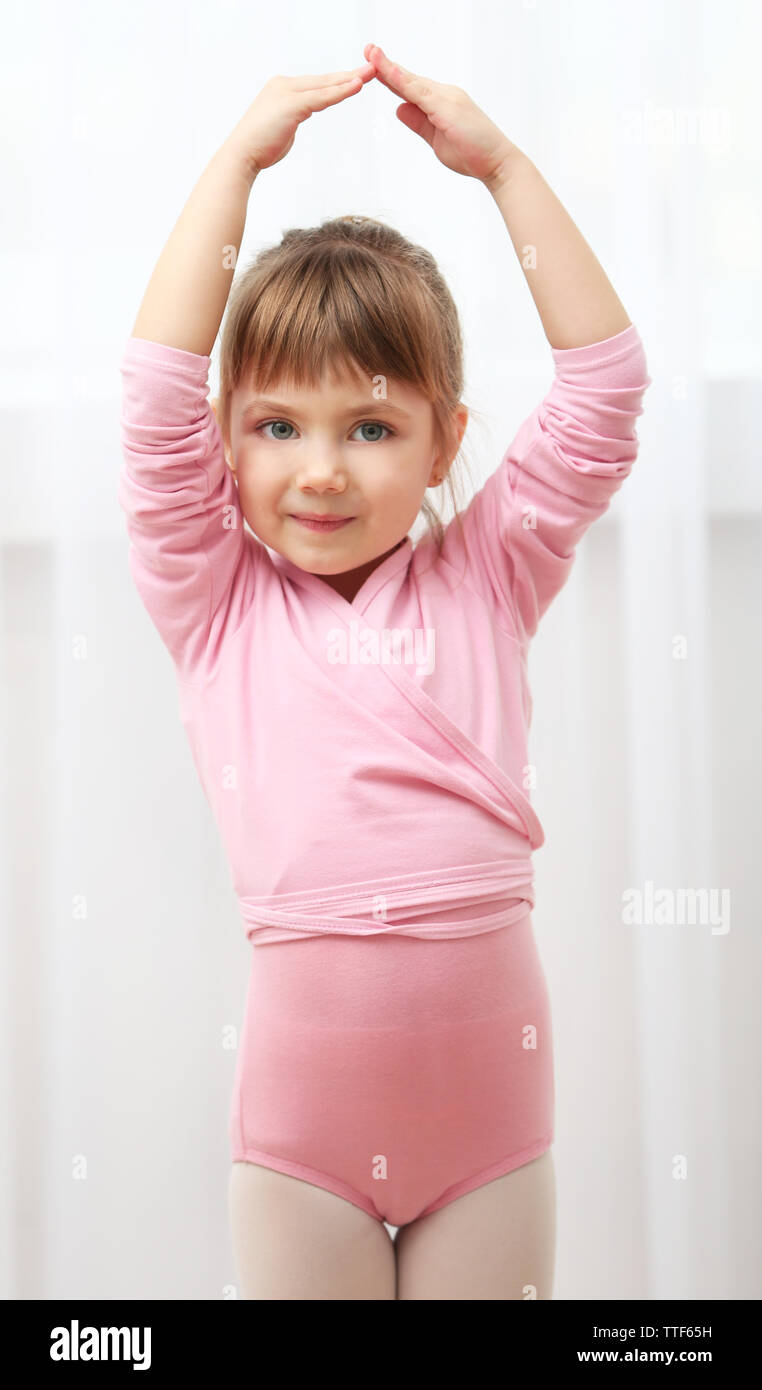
[351,581]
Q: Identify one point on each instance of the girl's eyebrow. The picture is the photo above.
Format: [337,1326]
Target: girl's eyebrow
[258,404]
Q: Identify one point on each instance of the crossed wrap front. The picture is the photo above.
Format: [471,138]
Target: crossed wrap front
[411,905]
[367,762]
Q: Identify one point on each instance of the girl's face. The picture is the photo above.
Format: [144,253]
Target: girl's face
[335,451]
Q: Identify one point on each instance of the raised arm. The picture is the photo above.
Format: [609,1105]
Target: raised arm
[193,564]
[188,290]
[568,458]
[574,297]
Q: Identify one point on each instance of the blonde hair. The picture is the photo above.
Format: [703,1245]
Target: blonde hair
[351,290]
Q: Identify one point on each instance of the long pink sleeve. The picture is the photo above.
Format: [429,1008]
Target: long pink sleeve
[190,558]
[559,474]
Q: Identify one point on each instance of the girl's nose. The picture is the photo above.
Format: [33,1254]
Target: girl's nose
[323,470]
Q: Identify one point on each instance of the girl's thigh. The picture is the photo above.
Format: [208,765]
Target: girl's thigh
[293,1240]
[496,1242]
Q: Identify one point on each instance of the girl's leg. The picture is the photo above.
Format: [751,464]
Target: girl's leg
[496,1242]
[293,1240]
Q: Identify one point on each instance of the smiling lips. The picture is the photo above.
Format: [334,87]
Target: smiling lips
[315,522]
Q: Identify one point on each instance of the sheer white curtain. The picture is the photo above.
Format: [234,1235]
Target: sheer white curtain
[124,962]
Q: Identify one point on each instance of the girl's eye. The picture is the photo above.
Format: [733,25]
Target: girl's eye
[374,424]
[266,423]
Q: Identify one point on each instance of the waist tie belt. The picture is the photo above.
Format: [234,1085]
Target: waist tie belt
[405,904]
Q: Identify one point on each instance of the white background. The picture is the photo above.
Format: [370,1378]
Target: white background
[114,1068]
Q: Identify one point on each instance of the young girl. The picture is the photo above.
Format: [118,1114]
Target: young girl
[358,706]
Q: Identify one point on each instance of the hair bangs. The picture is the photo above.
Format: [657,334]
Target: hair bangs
[331,311]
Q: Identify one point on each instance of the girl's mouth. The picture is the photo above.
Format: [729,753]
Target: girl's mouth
[327,523]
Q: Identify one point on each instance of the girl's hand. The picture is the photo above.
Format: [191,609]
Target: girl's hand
[266,132]
[461,136]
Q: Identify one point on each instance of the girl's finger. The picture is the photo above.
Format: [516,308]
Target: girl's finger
[318,99]
[409,85]
[315,81]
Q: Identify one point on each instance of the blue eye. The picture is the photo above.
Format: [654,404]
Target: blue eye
[375,424]
[274,422]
